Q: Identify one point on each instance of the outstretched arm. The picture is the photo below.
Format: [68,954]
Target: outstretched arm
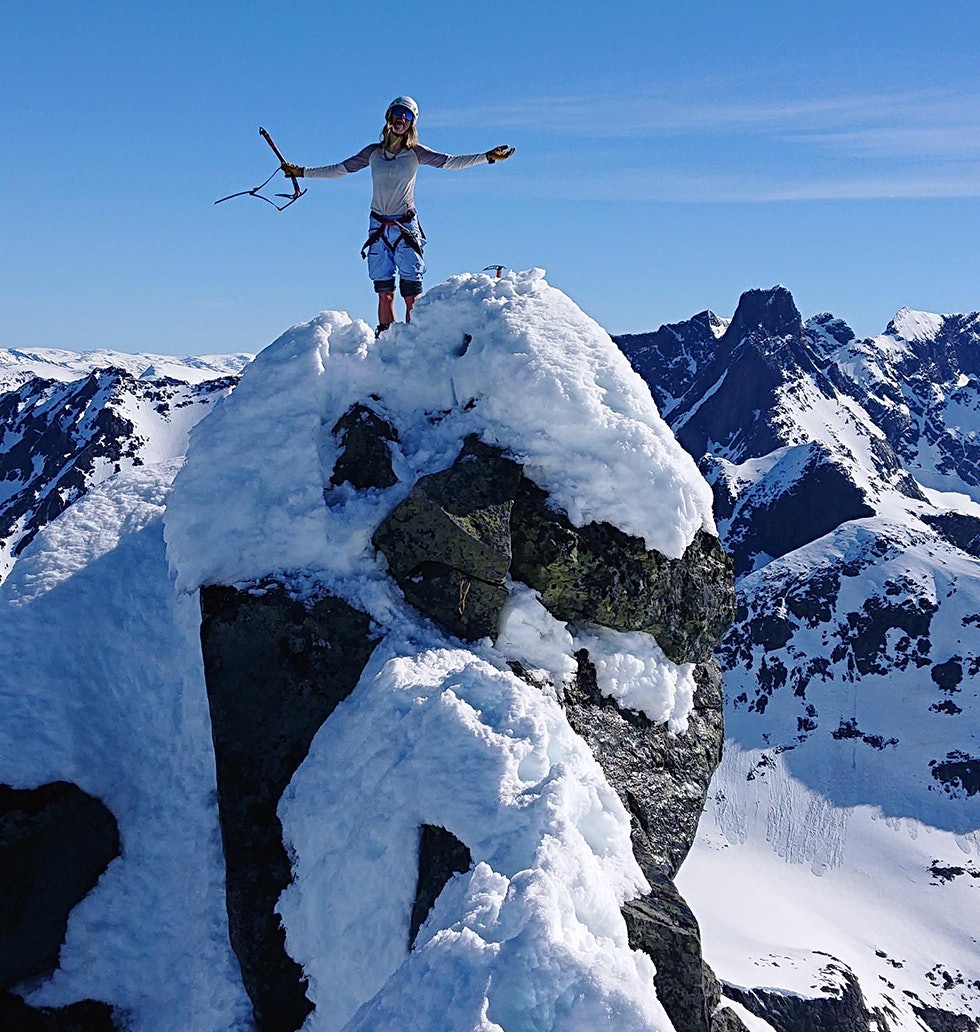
[352,164]
[458,161]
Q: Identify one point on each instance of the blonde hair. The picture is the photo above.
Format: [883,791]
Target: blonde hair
[408,139]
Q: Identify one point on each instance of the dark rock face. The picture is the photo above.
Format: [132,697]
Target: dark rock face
[958,773]
[275,671]
[670,358]
[55,843]
[441,855]
[840,1011]
[724,1019]
[661,778]
[598,574]
[85,1016]
[821,496]
[920,420]
[448,544]
[945,1021]
[959,529]
[764,342]
[662,926]
[365,459]
[451,543]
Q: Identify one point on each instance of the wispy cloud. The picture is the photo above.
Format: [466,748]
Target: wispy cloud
[681,187]
[725,145]
[919,123]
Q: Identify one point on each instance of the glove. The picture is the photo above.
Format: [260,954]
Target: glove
[501,153]
[292,170]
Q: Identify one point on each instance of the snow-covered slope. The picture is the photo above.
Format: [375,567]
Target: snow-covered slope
[58,438]
[845,818]
[18,366]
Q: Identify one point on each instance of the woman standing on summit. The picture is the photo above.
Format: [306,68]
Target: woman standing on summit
[395,239]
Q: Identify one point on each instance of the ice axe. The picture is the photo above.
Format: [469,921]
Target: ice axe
[255,191]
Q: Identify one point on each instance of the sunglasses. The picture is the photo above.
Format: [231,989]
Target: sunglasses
[403,111]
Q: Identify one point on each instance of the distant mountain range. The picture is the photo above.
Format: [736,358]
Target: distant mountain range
[846,478]
[70,420]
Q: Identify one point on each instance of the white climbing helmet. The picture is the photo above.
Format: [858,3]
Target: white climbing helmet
[406,102]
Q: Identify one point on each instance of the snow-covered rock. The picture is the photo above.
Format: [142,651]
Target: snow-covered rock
[350,725]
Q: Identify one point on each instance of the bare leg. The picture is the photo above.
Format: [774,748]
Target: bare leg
[409,301]
[386,309]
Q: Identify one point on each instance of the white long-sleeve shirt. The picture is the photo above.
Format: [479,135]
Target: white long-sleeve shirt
[393,175]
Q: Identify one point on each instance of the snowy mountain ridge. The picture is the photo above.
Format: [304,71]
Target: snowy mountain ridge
[61,435]
[845,488]
[17,366]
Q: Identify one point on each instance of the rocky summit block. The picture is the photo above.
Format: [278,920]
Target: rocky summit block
[448,544]
[598,574]
[452,542]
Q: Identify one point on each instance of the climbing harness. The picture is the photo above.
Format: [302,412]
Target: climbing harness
[255,191]
[386,222]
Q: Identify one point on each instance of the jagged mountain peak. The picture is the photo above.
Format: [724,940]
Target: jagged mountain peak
[846,476]
[911,325]
[704,323]
[828,330]
[765,314]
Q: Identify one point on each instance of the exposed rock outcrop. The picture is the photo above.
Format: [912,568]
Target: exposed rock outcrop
[662,925]
[598,574]
[661,777]
[448,544]
[365,455]
[454,539]
[841,1009]
[55,843]
[944,1021]
[84,1016]
[275,670]
[441,855]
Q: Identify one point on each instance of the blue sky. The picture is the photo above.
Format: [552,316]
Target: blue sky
[669,157]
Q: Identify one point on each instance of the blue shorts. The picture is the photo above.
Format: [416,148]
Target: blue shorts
[390,254]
